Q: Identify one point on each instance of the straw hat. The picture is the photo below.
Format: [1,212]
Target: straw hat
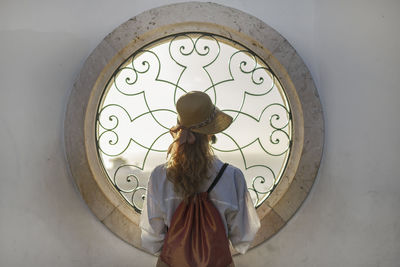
[197,113]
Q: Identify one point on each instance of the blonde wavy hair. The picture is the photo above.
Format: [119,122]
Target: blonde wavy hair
[188,165]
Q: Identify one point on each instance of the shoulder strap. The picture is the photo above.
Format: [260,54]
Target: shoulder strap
[221,171]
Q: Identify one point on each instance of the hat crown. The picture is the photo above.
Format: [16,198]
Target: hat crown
[193,108]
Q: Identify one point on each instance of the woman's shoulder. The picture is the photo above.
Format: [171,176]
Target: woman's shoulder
[158,176]
[232,173]
[238,172]
[159,170]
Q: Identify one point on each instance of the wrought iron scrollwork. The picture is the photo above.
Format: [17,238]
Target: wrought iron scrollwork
[138,108]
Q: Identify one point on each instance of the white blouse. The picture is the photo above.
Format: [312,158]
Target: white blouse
[230,196]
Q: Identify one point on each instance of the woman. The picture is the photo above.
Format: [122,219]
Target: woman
[190,169]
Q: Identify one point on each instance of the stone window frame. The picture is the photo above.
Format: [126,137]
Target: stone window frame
[307,117]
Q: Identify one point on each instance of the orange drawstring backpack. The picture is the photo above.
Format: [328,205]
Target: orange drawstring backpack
[197,236]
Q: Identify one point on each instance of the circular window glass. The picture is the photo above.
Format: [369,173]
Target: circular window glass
[137,110]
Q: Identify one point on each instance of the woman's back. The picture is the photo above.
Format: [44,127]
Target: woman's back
[229,196]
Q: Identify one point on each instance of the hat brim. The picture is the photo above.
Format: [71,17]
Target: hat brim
[220,122]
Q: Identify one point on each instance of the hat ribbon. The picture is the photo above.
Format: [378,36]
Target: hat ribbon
[184,135]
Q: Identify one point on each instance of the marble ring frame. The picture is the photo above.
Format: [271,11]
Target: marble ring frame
[308,127]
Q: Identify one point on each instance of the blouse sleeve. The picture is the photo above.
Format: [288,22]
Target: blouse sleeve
[242,223]
[152,221]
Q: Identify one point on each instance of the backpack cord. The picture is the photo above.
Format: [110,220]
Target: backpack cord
[221,171]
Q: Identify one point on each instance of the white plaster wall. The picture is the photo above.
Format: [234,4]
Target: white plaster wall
[352,215]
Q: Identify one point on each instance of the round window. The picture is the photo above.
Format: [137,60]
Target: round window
[138,108]
[123,104]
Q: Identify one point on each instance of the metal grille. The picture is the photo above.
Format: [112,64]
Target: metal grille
[138,108]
